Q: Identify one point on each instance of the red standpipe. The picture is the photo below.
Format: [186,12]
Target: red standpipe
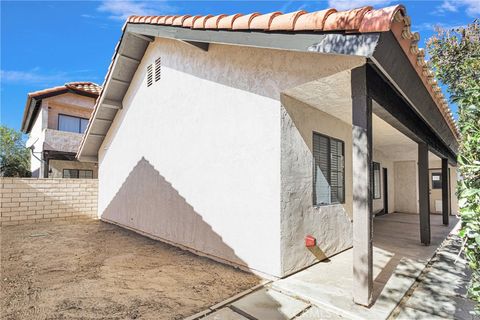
[310,241]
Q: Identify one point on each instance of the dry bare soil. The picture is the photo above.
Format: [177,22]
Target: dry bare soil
[94,270]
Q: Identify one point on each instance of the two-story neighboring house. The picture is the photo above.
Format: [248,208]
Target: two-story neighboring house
[56,119]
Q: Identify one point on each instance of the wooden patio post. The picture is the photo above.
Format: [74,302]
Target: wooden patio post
[424,193]
[362,200]
[445,193]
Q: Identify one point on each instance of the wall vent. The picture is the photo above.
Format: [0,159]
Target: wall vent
[158,65]
[149,75]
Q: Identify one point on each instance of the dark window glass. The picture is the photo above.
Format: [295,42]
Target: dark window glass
[77,174]
[70,173]
[72,124]
[436,180]
[329,170]
[376,184]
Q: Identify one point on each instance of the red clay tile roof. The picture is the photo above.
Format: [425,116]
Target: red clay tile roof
[88,87]
[360,20]
[83,87]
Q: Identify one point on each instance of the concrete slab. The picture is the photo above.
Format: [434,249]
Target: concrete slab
[225,314]
[441,290]
[407,313]
[315,313]
[270,304]
[398,259]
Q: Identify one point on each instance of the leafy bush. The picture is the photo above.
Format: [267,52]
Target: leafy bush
[14,157]
[455,56]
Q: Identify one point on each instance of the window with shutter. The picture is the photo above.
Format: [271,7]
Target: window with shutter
[329,170]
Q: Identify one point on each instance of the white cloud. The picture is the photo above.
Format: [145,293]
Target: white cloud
[352,4]
[472,7]
[35,77]
[120,10]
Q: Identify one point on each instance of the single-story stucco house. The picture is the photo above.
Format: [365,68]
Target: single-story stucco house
[238,136]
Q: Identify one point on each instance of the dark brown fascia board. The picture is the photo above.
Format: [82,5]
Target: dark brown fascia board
[35,104]
[393,63]
[394,109]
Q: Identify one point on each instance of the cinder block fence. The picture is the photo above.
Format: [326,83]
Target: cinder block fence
[39,200]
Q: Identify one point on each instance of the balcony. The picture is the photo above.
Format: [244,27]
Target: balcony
[61,140]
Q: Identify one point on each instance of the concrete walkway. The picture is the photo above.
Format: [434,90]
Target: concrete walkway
[323,291]
[440,292]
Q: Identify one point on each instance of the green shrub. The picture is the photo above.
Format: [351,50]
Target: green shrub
[455,56]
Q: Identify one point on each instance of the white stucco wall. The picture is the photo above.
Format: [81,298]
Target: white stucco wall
[406,186]
[195,158]
[36,139]
[331,225]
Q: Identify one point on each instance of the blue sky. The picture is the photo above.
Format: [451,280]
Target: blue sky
[45,44]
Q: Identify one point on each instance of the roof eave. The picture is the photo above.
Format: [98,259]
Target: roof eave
[395,65]
[340,43]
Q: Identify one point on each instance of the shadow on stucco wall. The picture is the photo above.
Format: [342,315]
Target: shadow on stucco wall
[149,204]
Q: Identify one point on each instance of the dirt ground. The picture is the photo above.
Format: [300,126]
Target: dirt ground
[94,270]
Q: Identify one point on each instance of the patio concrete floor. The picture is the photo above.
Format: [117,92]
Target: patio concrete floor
[399,258]
[324,291]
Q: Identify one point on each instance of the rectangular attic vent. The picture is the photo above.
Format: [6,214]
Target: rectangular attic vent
[149,76]
[158,64]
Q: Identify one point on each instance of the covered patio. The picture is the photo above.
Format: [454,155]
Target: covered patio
[398,259]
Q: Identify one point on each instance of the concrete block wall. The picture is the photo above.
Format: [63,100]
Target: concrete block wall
[33,200]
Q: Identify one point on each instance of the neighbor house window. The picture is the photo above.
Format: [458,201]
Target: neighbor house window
[376,191]
[77,174]
[72,124]
[329,170]
[436,180]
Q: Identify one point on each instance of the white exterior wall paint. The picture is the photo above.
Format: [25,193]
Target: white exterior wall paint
[208,134]
[35,139]
[331,225]
[406,186]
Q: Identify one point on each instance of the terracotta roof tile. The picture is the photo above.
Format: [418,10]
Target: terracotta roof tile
[263,22]
[243,22]
[188,23]
[313,20]
[360,20]
[345,20]
[212,23]
[380,19]
[286,21]
[88,87]
[178,21]
[227,22]
[200,22]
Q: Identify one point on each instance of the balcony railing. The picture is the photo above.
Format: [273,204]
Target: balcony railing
[61,140]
